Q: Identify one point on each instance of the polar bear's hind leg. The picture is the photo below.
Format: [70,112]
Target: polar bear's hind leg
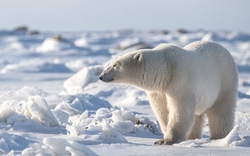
[221,115]
[196,131]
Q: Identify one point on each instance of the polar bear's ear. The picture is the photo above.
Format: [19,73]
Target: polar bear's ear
[137,57]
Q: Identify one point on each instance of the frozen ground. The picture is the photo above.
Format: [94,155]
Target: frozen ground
[53,104]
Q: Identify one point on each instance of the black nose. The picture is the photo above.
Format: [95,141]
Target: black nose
[100,77]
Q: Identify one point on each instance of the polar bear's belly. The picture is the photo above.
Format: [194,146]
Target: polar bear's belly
[204,103]
[207,92]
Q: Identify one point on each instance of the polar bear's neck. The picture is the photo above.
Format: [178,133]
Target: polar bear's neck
[157,71]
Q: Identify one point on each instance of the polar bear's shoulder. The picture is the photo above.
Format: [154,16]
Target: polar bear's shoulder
[164,46]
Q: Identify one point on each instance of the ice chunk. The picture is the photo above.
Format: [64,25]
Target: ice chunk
[61,117]
[111,135]
[37,108]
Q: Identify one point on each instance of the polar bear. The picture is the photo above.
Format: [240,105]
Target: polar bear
[183,85]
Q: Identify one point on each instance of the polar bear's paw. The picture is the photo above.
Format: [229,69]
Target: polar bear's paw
[165,142]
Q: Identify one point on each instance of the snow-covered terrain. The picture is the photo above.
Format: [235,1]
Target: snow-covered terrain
[52,103]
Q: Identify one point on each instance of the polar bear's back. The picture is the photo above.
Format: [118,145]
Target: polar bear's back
[209,54]
[207,49]
[216,71]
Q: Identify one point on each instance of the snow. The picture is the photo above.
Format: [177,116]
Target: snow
[35,66]
[52,102]
[58,146]
[81,79]
[51,45]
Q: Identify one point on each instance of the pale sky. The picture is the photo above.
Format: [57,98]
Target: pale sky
[80,15]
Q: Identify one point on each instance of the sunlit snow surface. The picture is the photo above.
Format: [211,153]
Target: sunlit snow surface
[52,103]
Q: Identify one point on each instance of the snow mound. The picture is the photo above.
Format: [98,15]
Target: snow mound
[81,79]
[15,46]
[52,45]
[82,42]
[58,146]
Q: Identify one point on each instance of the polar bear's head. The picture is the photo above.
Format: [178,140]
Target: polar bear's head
[124,70]
[144,68]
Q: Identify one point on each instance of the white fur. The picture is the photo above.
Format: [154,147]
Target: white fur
[183,85]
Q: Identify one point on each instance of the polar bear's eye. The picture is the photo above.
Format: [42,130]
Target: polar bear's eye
[114,65]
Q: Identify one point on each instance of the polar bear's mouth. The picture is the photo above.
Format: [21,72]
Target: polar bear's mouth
[105,79]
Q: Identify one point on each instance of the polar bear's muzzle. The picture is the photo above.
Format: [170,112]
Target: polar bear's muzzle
[105,79]
[107,75]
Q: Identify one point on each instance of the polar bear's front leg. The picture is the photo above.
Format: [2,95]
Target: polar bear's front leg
[158,103]
[180,120]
